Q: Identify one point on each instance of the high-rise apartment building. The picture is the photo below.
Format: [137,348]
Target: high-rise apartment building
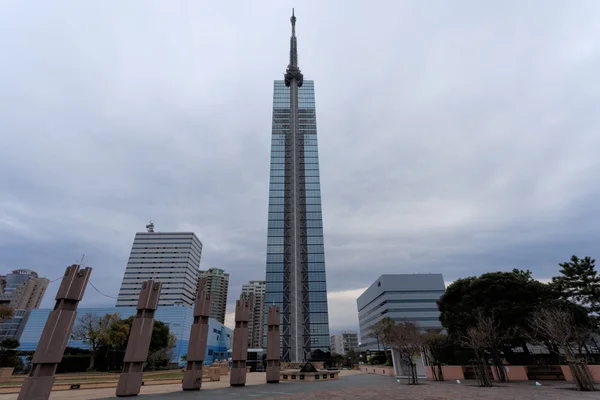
[172,258]
[295,267]
[22,289]
[216,281]
[401,297]
[254,291]
[341,343]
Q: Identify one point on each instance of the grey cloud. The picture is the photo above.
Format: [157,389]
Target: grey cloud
[455,138]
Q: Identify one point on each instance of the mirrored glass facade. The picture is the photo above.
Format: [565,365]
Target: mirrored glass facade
[296,284]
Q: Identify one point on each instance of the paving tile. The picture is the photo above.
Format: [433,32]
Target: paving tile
[351,386]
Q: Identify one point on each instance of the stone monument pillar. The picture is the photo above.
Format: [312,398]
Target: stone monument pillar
[273,353]
[240,344]
[136,354]
[192,377]
[56,333]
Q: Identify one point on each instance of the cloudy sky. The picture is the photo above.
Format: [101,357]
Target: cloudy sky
[455,137]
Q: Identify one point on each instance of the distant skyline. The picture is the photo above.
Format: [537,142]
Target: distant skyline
[457,138]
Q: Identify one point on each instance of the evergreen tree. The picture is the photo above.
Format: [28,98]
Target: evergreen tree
[579,282]
[8,355]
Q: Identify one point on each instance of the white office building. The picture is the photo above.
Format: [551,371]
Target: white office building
[341,343]
[172,258]
[402,297]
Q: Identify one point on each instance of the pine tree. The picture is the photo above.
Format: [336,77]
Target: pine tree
[579,282]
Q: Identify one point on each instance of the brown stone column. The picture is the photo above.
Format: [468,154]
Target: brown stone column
[136,354]
[56,333]
[240,343]
[273,354]
[192,377]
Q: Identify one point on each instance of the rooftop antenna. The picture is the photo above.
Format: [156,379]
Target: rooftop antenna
[150,227]
[82,260]
[293,71]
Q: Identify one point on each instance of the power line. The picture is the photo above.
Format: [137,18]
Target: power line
[90,282]
[103,294]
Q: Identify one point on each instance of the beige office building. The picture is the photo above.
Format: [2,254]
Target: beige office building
[254,291]
[22,289]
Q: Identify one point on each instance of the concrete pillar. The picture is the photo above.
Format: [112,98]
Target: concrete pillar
[56,333]
[136,354]
[273,353]
[240,343]
[397,363]
[192,377]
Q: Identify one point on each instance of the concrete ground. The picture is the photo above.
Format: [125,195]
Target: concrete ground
[352,385]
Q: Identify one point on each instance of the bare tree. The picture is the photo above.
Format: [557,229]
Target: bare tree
[434,343]
[406,339]
[557,326]
[483,338]
[381,331]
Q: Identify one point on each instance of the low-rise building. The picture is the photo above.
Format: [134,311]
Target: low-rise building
[179,319]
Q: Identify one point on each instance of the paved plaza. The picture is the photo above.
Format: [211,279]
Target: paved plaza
[352,385]
[364,386]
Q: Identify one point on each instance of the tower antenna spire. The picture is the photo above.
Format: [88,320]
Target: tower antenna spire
[293,71]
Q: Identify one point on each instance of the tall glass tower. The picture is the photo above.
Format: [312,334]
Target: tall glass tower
[295,255]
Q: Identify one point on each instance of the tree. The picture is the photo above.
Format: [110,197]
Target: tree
[558,326]
[8,355]
[351,358]
[317,355]
[406,339]
[162,356]
[435,344]
[338,359]
[113,347]
[116,335]
[510,297]
[381,331]
[579,282]
[320,355]
[484,337]
[94,330]
[6,312]
[10,343]
[161,342]
[161,337]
